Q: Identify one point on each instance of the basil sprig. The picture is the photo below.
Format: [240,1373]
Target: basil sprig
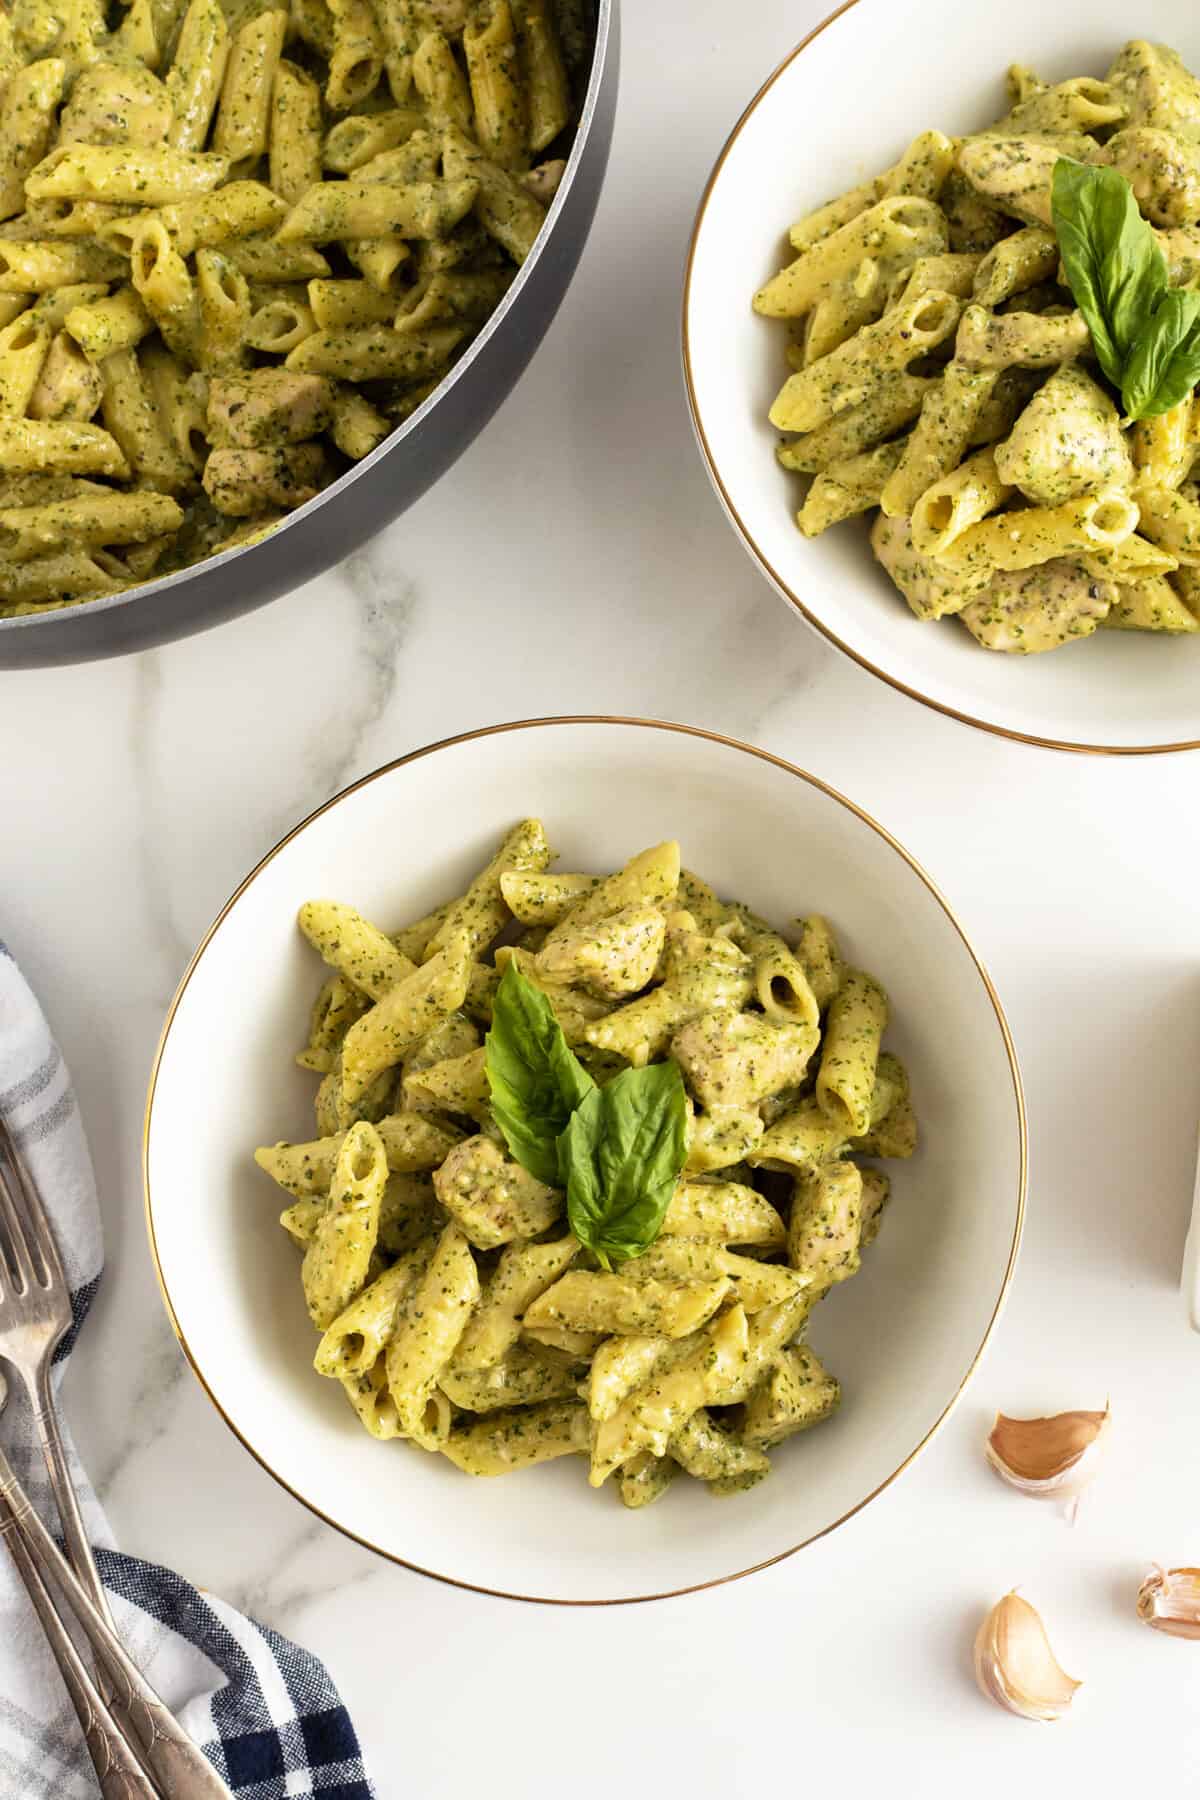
[618,1150]
[1164,364]
[535,1078]
[1146,333]
[623,1150]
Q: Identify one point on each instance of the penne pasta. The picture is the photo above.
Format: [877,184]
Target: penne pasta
[504,1259]
[942,373]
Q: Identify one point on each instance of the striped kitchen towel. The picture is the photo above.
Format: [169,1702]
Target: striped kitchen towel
[266,1712]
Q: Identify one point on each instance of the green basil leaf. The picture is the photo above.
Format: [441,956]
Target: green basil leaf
[1165,362]
[1117,272]
[622,1152]
[536,1080]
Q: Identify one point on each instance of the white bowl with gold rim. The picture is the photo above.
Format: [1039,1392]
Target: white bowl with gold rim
[904,1336]
[838,109]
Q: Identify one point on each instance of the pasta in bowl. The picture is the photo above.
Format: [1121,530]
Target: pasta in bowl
[935,371]
[246,259]
[620,1288]
[1032,538]
[547,1106]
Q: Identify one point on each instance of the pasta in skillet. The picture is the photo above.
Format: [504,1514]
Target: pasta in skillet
[473,1295]
[945,381]
[240,243]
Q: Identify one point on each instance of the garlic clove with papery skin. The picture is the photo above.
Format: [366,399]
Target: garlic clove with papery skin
[1049,1459]
[1015,1666]
[1169,1600]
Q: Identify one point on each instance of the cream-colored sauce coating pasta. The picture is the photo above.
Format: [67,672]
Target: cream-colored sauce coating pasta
[942,375]
[239,244]
[456,1309]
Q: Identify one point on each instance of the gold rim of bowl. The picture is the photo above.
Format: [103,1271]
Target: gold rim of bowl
[751,543]
[778,762]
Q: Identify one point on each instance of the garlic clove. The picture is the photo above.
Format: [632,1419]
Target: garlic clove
[1049,1459]
[1015,1666]
[1169,1600]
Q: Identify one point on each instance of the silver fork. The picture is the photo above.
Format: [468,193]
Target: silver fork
[35,1312]
[35,1315]
[118,1769]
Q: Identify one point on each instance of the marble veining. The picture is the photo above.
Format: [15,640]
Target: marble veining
[170,941]
[149,1410]
[306,1568]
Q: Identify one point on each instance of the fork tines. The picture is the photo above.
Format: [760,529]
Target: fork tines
[28,1255]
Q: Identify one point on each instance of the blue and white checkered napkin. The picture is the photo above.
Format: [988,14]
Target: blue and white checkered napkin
[266,1712]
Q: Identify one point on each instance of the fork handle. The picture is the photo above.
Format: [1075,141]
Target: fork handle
[118,1771]
[39,1392]
[45,1418]
[180,1767]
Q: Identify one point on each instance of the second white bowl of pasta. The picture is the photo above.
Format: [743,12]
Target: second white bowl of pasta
[574,1155]
[907,387]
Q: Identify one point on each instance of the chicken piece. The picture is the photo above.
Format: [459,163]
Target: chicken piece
[931,589]
[1016,172]
[1157,88]
[1163,170]
[493,1198]
[1067,442]
[269,406]
[700,975]
[116,103]
[739,1059]
[613,957]
[1028,610]
[242,482]
[69,386]
[825,1228]
[543,181]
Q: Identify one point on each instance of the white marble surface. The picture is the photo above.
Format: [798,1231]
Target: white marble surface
[578,554]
